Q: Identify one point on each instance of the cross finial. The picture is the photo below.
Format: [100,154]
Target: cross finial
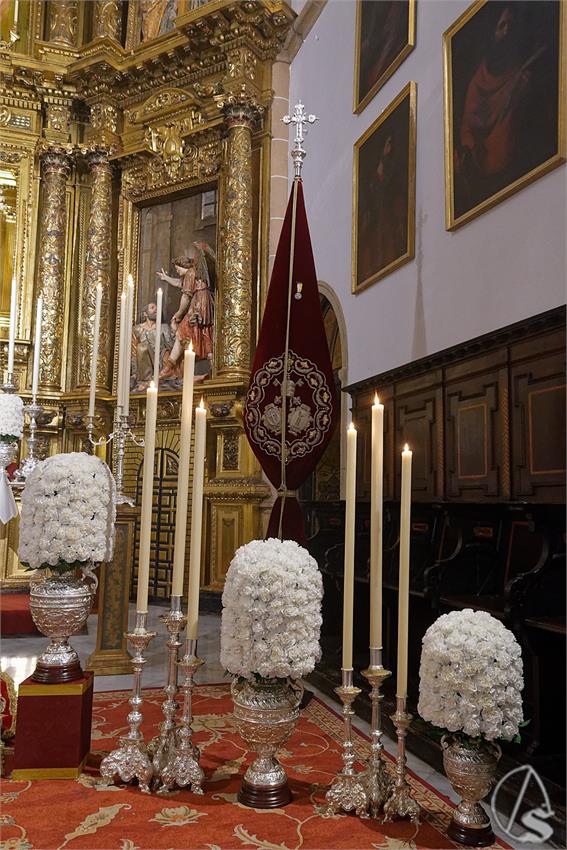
[299,118]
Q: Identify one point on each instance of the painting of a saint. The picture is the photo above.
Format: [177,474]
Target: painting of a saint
[503,78]
[157,17]
[385,34]
[179,235]
[384,192]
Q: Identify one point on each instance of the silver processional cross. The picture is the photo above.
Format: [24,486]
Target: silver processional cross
[299,118]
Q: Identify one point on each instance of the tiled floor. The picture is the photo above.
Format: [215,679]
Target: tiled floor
[18,658]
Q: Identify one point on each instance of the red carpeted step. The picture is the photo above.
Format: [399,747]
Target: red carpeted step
[15,616]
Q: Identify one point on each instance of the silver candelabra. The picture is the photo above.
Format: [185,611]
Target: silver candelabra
[120,435]
[348,791]
[378,781]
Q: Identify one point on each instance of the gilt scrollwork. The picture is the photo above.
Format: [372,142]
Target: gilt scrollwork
[104,116]
[63,21]
[107,19]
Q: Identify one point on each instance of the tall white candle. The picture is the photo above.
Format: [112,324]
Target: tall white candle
[147,500]
[376,523]
[183,473]
[37,346]
[12,333]
[196,522]
[128,344]
[158,337]
[350,509]
[94,360]
[403,583]
[120,377]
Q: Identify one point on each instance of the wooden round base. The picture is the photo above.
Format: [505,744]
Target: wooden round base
[57,675]
[264,796]
[469,836]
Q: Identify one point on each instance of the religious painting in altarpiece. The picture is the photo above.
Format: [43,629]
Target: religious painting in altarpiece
[177,253]
[504,102]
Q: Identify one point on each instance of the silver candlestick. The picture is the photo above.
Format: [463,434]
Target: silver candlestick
[163,745]
[120,435]
[10,385]
[182,767]
[131,760]
[31,460]
[400,803]
[348,790]
[378,781]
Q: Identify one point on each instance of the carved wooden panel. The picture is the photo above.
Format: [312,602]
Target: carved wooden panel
[418,419]
[538,428]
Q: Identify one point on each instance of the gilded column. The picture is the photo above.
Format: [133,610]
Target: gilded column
[107,19]
[63,22]
[234,316]
[97,269]
[55,169]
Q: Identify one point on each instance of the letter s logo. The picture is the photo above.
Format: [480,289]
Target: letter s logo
[540,831]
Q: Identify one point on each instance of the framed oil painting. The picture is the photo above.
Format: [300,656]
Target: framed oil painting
[385,34]
[177,253]
[384,193]
[504,102]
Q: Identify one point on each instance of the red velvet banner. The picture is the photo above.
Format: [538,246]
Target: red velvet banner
[311,407]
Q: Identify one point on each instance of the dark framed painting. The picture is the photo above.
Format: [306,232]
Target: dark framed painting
[384,192]
[505,72]
[385,34]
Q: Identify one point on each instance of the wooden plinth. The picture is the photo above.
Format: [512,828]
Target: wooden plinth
[469,836]
[111,657]
[54,729]
[48,675]
[264,796]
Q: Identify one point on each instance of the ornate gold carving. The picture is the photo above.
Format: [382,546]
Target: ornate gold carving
[241,107]
[104,116]
[58,118]
[107,19]
[199,162]
[5,116]
[97,270]
[241,64]
[56,168]
[63,21]
[236,297]
[167,142]
[230,450]
[161,102]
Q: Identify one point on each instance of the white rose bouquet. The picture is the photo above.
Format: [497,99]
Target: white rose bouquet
[11,417]
[68,513]
[271,616]
[471,677]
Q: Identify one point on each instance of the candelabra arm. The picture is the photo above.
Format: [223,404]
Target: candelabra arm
[122,429]
[347,792]
[401,803]
[102,441]
[131,760]
[183,768]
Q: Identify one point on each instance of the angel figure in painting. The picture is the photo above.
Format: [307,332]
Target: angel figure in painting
[194,319]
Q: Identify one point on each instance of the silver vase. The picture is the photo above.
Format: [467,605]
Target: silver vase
[471,770]
[265,713]
[60,606]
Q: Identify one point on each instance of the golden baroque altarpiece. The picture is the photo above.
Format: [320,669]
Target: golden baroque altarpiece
[96,124]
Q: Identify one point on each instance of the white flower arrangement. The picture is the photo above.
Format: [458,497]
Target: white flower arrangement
[271,616]
[471,676]
[68,513]
[11,416]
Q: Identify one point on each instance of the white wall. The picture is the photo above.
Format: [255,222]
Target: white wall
[502,267]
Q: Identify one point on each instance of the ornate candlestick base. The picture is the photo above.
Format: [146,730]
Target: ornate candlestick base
[348,790]
[400,803]
[30,462]
[10,385]
[160,747]
[378,781]
[131,761]
[182,767]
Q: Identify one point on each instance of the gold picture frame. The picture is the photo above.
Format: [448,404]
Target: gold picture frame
[383,232]
[531,68]
[388,13]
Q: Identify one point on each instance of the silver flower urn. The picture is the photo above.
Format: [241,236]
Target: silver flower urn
[7,452]
[471,770]
[60,606]
[265,713]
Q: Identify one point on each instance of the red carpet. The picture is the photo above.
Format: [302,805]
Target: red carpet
[15,617]
[82,813]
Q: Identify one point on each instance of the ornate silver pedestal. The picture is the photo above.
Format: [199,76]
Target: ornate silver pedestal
[182,767]
[161,747]
[348,791]
[131,760]
[377,779]
[400,803]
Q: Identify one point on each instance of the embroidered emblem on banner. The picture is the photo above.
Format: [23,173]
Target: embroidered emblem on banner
[308,408]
